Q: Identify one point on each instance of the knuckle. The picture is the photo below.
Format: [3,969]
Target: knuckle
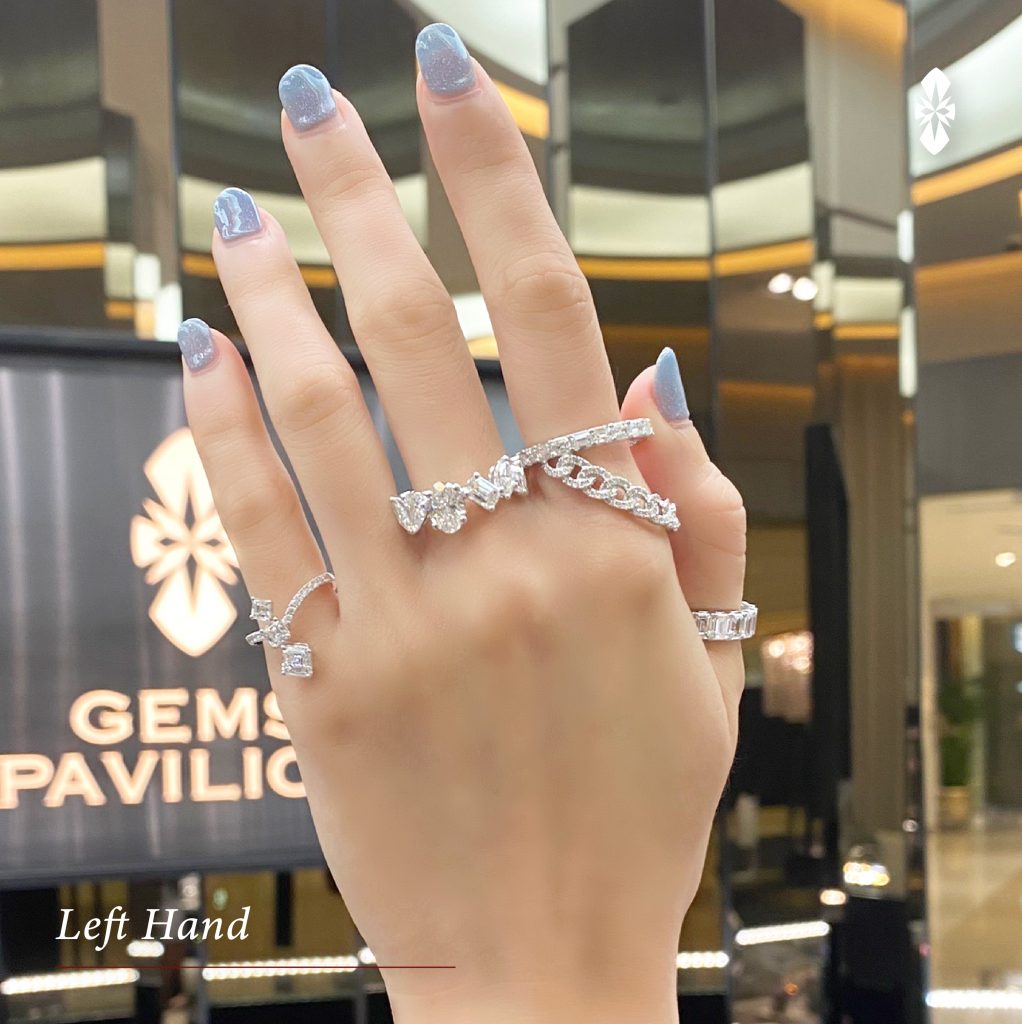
[550,286]
[313,396]
[219,436]
[251,509]
[480,166]
[342,180]
[721,492]
[405,312]
[636,572]
[518,609]
[719,497]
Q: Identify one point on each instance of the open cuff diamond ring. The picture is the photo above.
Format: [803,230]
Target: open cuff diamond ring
[296,659]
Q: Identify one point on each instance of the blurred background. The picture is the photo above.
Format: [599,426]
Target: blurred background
[826,232]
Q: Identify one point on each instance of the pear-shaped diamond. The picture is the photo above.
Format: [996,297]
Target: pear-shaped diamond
[411,509]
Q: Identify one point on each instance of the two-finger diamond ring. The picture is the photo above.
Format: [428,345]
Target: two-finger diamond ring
[296,659]
[444,505]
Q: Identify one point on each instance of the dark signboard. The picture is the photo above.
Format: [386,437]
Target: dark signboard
[138,733]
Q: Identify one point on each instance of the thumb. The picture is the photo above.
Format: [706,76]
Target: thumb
[709,549]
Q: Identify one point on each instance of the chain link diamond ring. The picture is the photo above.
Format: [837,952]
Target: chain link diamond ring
[617,491]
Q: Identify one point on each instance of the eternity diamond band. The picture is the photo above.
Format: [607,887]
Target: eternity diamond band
[296,659]
[736,625]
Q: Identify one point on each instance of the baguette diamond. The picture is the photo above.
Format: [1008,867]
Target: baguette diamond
[735,625]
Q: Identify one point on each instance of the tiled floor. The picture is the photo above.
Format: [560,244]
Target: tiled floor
[974,886]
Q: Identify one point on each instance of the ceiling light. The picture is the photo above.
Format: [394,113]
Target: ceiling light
[779,284]
[833,897]
[1005,559]
[866,874]
[804,289]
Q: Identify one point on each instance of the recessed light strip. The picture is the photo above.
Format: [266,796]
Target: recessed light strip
[782,933]
[63,981]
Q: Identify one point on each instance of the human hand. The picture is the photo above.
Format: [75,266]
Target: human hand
[514,741]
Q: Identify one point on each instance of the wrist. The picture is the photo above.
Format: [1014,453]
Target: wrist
[539,1001]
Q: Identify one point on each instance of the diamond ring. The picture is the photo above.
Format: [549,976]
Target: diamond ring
[296,659]
[736,625]
[444,505]
[617,491]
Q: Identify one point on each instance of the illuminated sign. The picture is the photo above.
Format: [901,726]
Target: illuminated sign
[138,731]
[105,718]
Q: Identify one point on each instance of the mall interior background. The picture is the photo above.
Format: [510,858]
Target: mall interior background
[744,180]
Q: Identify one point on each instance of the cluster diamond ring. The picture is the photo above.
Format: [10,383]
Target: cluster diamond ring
[296,658]
[445,505]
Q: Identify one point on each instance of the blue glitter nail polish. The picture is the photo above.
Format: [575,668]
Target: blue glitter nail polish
[306,96]
[195,340]
[236,214]
[668,391]
[444,61]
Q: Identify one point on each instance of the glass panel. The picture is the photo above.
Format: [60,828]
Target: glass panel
[228,130]
[55,224]
[965,157]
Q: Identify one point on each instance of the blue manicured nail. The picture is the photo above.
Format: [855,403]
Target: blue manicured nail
[195,340]
[236,214]
[668,391]
[444,61]
[306,96]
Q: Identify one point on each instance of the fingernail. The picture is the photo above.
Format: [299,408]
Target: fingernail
[306,96]
[195,340]
[668,391]
[445,64]
[236,214]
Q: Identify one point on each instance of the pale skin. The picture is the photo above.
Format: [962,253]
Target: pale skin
[514,741]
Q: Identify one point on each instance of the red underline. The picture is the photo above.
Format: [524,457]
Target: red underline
[256,967]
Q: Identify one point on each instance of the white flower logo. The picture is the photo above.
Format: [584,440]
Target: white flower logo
[182,545]
[934,112]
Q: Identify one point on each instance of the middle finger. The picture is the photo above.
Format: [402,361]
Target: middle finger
[400,312]
[558,376]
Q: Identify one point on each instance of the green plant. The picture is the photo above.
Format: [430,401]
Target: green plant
[961,705]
